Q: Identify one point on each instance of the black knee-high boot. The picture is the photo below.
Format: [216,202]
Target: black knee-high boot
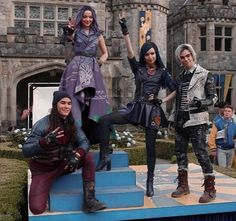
[149,184]
[105,160]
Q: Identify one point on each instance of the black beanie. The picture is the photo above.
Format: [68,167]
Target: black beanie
[58,95]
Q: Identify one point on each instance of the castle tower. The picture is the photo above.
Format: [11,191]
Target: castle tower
[146,20]
[208,25]
[31,51]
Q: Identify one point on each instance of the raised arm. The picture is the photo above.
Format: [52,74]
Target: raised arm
[103,49]
[125,32]
[169,97]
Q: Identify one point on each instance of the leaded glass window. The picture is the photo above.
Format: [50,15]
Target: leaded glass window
[74,11]
[49,12]
[45,18]
[63,13]
[48,28]
[20,24]
[34,12]
[35,25]
[20,11]
[59,29]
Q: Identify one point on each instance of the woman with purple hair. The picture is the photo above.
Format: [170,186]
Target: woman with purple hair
[82,78]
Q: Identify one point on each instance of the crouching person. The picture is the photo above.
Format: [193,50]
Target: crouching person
[56,147]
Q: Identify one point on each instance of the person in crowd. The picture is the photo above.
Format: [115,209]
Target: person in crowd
[150,75]
[195,92]
[82,78]
[22,117]
[57,147]
[221,106]
[221,139]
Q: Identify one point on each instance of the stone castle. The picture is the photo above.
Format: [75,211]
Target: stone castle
[31,53]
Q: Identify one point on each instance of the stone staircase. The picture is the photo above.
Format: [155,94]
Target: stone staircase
[116,188]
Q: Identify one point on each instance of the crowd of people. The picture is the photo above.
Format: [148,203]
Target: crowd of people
[81,115]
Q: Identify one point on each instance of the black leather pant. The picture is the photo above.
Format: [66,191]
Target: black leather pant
[119,118]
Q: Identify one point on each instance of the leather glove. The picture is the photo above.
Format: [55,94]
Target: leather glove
[50,138]
[158,101]
[123,26]
[73,162]
[153,99]
[196,102]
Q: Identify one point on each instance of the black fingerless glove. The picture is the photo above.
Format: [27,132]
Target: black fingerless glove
[50,138]
[158,101]
[123,26]
[196,102]
[73,162]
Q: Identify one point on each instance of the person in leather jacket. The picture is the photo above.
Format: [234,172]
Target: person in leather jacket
[195,92]
[145,109]
[56,147]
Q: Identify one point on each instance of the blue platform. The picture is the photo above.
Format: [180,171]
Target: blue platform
[161,205]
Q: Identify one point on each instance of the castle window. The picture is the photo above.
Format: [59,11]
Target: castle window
[20,11]
[20,24]
[223,38]
[48,28]
[225,2]
[35,25]
[49,12]
[203,38]
[63,13]
[34,12]
[44,18]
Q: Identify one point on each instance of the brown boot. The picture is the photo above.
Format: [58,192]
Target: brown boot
[91,204]
[210,191]
[182,188]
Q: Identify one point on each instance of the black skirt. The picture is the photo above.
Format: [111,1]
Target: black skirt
[146,114]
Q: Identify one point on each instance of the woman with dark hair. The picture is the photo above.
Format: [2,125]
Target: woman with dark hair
[82,78]
[150,75]
[56,147]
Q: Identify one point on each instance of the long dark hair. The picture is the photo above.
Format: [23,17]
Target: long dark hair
[67,124]
[145,48]
[79,16]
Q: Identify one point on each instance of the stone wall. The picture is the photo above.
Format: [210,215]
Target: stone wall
[25,54]
[183,27]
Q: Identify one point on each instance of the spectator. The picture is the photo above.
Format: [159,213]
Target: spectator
[22,117]
[221,139]
[221,106]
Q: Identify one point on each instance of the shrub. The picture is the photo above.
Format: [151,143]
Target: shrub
[7,150]
[137,155]
[123,139]
[18,137]
[13,205]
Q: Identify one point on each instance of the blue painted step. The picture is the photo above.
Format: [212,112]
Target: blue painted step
[118,158]
[113,197]
[116,177]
